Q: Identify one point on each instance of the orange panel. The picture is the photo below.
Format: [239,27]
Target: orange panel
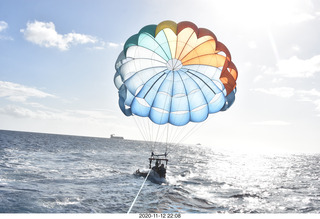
[214,60]
[193,43]
[208,47]
[182,40]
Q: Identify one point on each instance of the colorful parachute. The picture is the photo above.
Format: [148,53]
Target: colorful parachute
[175,73]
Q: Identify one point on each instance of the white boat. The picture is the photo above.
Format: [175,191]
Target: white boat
[113,136]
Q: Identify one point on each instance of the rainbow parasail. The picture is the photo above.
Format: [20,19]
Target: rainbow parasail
[175,73]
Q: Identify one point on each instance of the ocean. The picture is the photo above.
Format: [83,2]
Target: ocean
[46,173]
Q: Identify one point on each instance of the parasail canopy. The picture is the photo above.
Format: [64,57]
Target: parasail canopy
[175,73]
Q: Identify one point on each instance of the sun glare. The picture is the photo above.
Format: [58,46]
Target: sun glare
[255,14]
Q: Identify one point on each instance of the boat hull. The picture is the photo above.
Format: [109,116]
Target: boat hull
[153,176]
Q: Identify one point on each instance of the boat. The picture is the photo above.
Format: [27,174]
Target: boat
[153,176]
[158,172]
[113,136]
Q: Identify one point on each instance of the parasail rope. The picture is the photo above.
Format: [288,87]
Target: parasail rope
[135,199]
[194,128]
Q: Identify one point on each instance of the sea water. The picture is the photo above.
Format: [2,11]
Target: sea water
[45,173]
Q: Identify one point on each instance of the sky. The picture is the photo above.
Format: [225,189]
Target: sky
[57,62]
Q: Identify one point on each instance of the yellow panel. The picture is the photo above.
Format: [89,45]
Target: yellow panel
[182,40]
[172,40]
[210,59]
[193,43]
[166,24]
[208,47]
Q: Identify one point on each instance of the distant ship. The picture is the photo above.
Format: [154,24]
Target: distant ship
[116,137]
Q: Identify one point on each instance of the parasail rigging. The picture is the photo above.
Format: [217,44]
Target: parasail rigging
[170,77]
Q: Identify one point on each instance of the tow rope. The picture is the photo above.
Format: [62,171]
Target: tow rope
[134,201]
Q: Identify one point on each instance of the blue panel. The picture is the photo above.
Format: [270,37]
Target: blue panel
[150,89]
[179,119]
[205,80]
[178,85]
[205,86]
[180,100]
[209,90]
[196,99]
[180,103]
[167,84]
[129,99]
[163,42]
[158,117]
[162,101]
[199,115]
[140,78]
[122,96]
[229,100]
[139,109]
[147,41]
[217,104]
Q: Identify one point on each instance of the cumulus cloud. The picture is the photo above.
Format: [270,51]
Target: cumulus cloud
[3,25]
[20,93]
[45,34]
[86,116]
[285,92]
[295,67]
[312,95]
[21,112]
[288,92]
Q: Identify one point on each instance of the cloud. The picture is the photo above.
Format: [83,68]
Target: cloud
[46,113]
[287,92]
[114,45]
[45,34]
[20,112]
[271,123]
[312,95]
[91,114]
[103,45]
[295,67]
[20,93]
[3,25]
[284,92]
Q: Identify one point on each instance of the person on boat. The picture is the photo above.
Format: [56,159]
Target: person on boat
[162,171]
[156,167]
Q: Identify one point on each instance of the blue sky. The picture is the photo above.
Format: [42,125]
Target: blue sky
[57,66]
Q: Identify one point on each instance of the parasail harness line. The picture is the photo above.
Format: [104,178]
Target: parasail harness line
[135,199]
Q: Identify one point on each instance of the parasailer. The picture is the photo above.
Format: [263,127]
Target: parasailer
[173,74]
